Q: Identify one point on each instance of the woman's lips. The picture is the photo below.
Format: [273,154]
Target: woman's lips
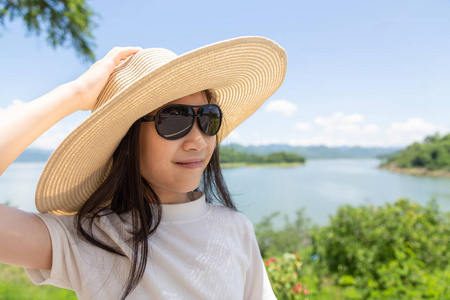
[192,164]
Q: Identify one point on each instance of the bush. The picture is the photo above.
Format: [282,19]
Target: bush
[284,273]
[292,236]
[406,277]
[396,250]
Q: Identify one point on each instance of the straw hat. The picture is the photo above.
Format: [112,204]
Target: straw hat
[242,73]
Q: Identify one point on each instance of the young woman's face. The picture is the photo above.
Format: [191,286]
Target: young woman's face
[174,167]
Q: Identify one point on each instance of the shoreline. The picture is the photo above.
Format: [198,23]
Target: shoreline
[416,171]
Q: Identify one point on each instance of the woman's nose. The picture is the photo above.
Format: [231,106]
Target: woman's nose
[195,139]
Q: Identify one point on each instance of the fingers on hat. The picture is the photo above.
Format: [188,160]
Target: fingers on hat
[117,54]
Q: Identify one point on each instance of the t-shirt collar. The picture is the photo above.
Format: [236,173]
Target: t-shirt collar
[185,211]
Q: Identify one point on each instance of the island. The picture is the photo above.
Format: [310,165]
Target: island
[230,157]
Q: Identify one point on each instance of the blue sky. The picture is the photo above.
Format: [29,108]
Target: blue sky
[366,73]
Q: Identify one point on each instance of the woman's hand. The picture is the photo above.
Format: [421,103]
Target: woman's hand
[89,85]
[21,126]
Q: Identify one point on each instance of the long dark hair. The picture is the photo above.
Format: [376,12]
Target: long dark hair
[127,191]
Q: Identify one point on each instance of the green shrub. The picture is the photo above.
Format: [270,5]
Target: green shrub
[283,272]
[391,251]
[406,277]
[292,236]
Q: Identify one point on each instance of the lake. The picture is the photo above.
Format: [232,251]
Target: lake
[320,186]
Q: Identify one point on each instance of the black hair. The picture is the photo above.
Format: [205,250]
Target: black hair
[127,191]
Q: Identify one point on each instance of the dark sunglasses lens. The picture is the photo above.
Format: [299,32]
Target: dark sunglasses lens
[175,122]
[209,119]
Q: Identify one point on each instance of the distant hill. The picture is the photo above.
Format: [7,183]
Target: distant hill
[308,152]
[321,152]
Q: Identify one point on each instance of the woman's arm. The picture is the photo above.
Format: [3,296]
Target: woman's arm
[24,238]
[23,125]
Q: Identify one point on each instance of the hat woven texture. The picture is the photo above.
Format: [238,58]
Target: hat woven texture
[242,73]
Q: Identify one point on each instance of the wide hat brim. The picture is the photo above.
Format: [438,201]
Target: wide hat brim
[242,72]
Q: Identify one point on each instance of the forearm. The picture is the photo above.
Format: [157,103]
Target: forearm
[23,125]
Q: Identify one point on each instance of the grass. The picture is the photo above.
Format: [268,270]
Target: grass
[15,285]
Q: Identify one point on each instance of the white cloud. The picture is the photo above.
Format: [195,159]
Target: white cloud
[14,104]
[339,118]
[233,137]
[348,127]
[338,141]
[303,126]
[341,129]
[267,141]
[350,130]
[51,139]
[413,124]
[317,141]
[413,130]
[372,128]
[281,106]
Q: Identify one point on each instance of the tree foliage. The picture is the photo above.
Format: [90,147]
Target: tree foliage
[432,154]
[65,21]
[398,251]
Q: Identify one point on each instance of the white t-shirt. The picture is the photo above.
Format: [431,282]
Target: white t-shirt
[199,251]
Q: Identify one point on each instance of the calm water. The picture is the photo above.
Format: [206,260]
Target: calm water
[320,187]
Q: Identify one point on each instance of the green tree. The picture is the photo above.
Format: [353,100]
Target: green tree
[65,21]
[432,154]
[432,138]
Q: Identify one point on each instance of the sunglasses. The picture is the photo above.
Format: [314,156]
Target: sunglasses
[175,121]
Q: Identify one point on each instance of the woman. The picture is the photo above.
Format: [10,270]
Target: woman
[121,216]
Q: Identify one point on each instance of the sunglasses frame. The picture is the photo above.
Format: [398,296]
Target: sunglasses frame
[155,118]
